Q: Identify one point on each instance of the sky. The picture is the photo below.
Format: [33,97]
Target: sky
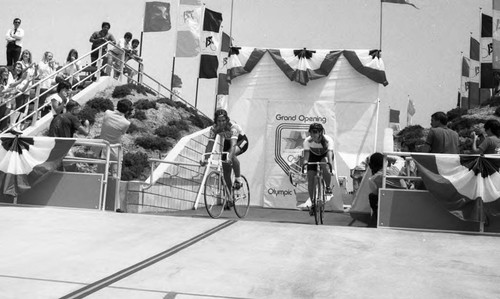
[421,48]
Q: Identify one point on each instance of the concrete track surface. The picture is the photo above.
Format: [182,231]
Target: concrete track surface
[69,253]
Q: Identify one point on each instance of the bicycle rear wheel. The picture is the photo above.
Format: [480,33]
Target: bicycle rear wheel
[215,194]
[241,198]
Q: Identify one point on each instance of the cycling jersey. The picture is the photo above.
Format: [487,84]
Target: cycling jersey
[233,131]
[316,148]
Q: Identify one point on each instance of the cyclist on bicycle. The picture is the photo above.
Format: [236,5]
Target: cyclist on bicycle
[318,147]
[235,143]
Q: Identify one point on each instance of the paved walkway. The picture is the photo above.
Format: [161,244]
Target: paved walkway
[69,253]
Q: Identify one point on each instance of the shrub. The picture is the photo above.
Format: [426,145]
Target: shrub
[122,91]
[139,115]
[88,113]
[412,136]
[153,143]
[167,101]
[497,112]
[455,112]
[492,102]
[133,166]
[462,123]
[145,104]
[168,131]
[200,121]
[135,128]
[100,104]
[179,124]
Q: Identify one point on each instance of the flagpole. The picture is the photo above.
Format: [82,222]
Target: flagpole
[376,124]
[231,25]
[460,82]
[409,118]
[480,58]
[380,41]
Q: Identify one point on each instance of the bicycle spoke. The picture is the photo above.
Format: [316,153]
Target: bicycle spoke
[215,196]
[241,198]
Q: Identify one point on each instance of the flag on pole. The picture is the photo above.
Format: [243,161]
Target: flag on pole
[210,44]
[410,110]
[157,17]
[475,73]
[188,28]
[223,84]
[464,84]
[496,34]
[486,52]
[400,2]
[394,120]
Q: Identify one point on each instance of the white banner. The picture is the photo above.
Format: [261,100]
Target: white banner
[287,126]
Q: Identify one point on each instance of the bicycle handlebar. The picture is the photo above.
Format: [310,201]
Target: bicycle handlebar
[222,157]
[318,164]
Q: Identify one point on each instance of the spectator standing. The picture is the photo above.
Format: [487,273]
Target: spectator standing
[5,94]
[21,84]
[133,55]
[490,144]
[441,139]
[14,39]
[124,46]
[67,124]
[114,125]
[29,66]
[71,67]
[99,38]
[46,68]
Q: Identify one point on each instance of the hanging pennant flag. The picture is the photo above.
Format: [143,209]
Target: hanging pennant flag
[486,53]
[496,34]
[157,17]
[410,111]
[464,84]
[24,161]
[210,44]
[394,120]
[400,2]
[475,73]
[188,28]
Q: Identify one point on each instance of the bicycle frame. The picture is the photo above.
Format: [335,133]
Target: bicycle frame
[318,200]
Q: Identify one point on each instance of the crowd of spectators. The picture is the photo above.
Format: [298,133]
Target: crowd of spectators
[22,72]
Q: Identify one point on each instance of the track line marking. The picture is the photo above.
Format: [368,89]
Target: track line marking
[100,284]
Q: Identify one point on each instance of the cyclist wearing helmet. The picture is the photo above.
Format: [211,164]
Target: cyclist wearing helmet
[318,147]
[235,143]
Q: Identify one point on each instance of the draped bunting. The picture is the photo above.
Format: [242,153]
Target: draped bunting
[304,65]
[25,160]
[242,61]
[462,183]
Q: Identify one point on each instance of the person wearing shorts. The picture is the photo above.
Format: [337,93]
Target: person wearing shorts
[235,142]
[318,147]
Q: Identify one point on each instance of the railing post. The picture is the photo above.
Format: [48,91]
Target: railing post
[99,64]
[139,75]
[35,106]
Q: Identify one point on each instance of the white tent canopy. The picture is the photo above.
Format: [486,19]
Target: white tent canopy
[337,88]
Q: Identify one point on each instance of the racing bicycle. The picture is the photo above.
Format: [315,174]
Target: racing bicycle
[218,196]
[319,198]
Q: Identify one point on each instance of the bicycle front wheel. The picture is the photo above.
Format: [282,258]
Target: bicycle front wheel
[215,194]
[241,198]
[321,202]
[317,201]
